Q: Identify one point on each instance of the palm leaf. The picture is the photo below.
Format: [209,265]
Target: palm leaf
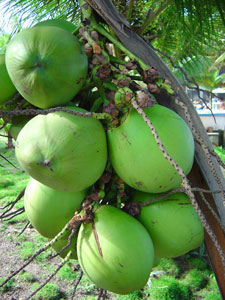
[28,12]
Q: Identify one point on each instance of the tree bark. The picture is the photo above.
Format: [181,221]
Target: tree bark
[10,142]
[201,174]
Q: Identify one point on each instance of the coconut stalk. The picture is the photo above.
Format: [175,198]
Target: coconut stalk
[206,172]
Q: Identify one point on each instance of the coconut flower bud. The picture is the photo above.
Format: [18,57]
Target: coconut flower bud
[142,99]
[153,88]
[88,50]
[104,72]
[122,83]
[105,178]
[132,208]
[111,109]
[131,65]
[150,75]
[94,35]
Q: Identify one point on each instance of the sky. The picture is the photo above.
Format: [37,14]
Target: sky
[7,26]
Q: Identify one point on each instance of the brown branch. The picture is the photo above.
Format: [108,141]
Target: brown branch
[102,294]
[23,266]
[3,125]
[39,251]
[77,283]
[25,227]
[12,204]
[8,161]
[50,277]
[14,98]
[70,237]
[10,216]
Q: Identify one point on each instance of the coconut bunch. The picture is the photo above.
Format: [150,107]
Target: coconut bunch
[96,166]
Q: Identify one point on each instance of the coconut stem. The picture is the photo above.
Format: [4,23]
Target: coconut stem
[98,116]
[208,152]
[70,237]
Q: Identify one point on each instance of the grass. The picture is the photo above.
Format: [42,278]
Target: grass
[12,180]
[66,272]
[9,285]
[26,276]
[50,291]
[221,152]
[167,288]
[196,280]
[187,277]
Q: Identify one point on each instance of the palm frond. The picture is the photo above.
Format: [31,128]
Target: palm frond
[184,39]
[204,10]
[25,13]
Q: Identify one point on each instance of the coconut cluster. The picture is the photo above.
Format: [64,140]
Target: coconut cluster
[66,154]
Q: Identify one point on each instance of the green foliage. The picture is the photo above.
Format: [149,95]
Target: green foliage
[221,152]
[27,250]
[5,182]
[168,288]
[196,280]
[211,291]
[66,272]
[50,291]
[132,296]
[212,296]
[198,263]
[27,277]
[4,39]
[29,12]
[9,285]
[12,181]
[169,266]
[177,291]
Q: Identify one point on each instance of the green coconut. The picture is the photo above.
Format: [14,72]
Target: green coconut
[49,210]
[63,24]
[7,88]
[47,65]
[63,151]
[136,157]
[17,124]
[127,254]
[172,222]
